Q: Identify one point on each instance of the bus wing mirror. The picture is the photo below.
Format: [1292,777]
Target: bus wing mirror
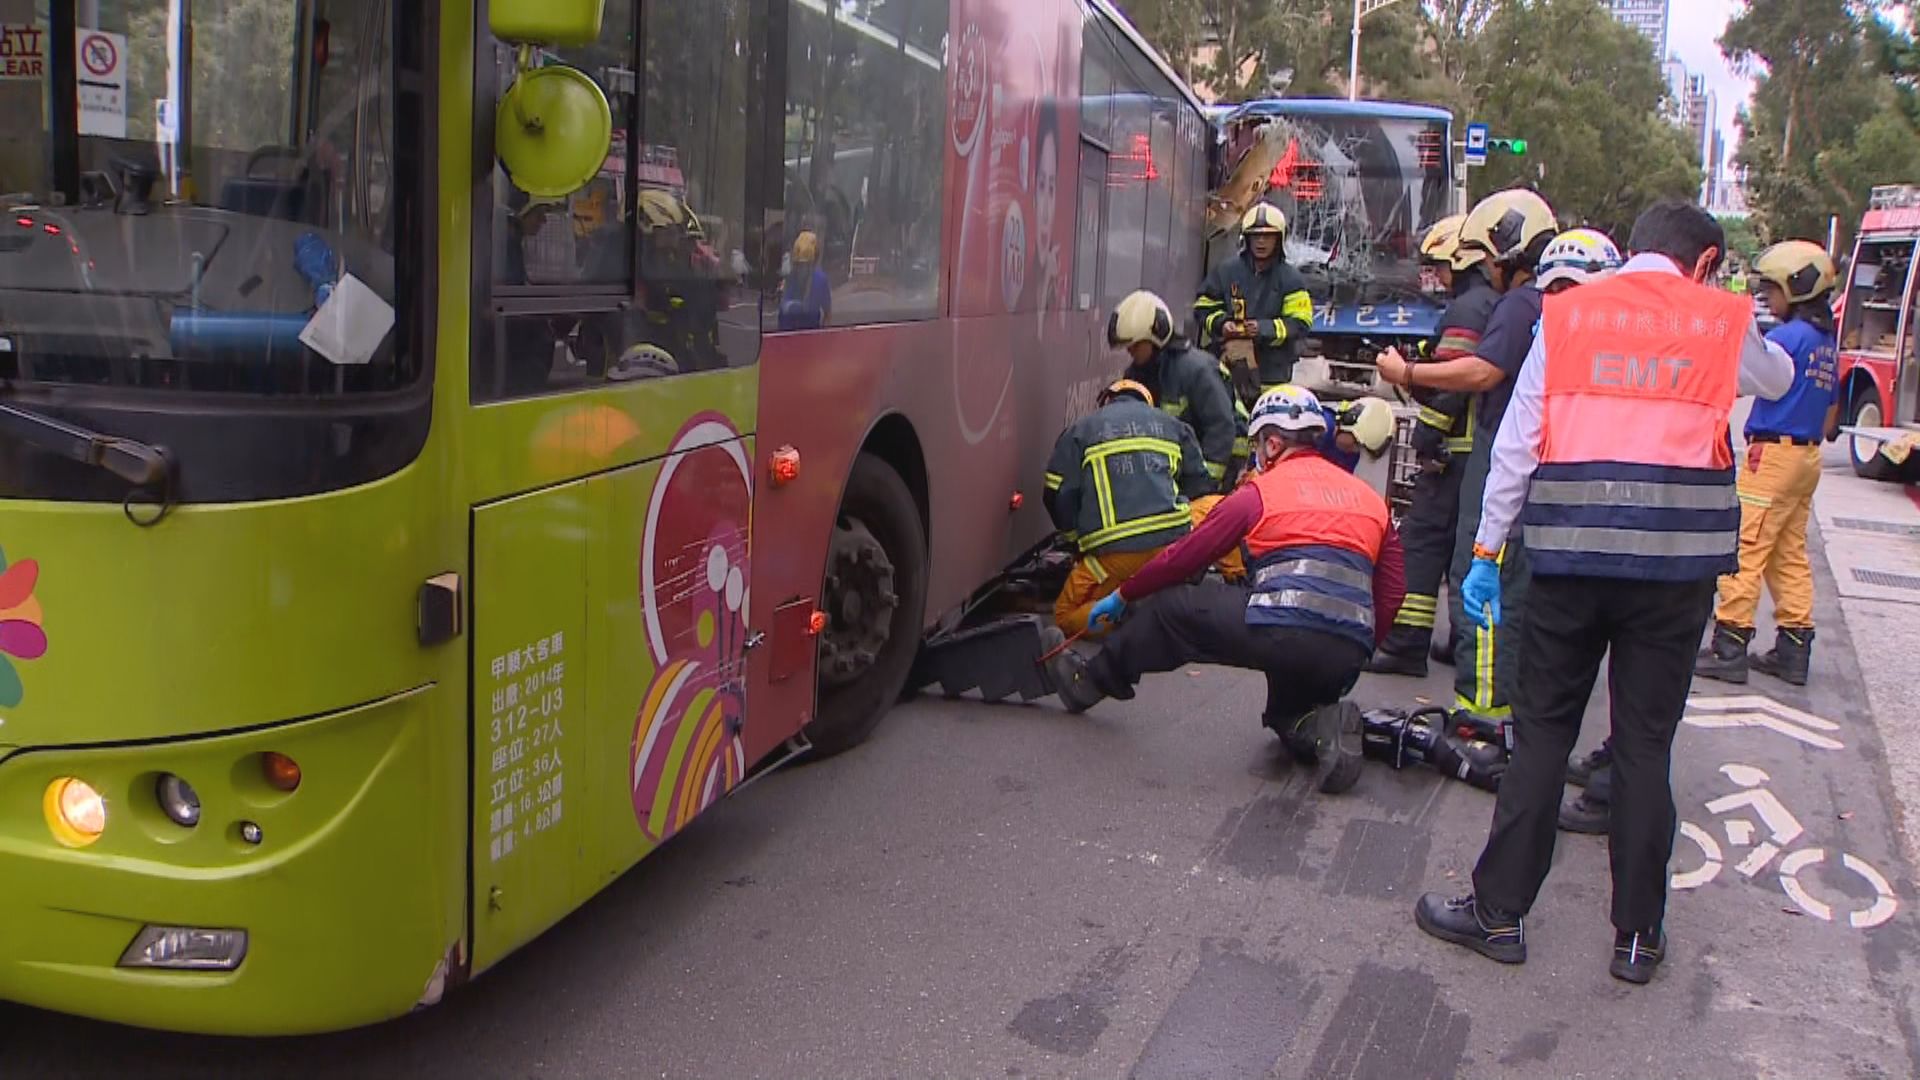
[546,22]
[553,130]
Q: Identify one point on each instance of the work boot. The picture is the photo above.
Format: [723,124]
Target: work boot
[1465,921]
[1442,651]
[1585,815]
[1637,954]
[1067,671]
[1387,661]
[1581,769]
[1788,659]
[1725,658]
[1330,738]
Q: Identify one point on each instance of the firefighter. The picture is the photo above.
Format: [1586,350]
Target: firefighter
[1254,310]
[1326,580]
[1783,469]
[1625,488]
[1442,439]
[1509,231]
[1119,483]
[1180,379]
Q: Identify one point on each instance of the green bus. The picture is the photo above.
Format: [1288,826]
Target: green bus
[444,447]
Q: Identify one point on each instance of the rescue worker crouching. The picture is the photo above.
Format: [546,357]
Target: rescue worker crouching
[1181,380]
[1119,483]
[1254,310]
[1442,440]
[1783,469]
[1326,580]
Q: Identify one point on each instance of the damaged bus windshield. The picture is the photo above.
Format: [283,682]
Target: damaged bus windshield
[203,237]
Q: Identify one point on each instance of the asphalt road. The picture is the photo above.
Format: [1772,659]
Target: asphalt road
[1152,891]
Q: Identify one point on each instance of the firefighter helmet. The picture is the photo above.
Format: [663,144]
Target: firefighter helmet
[1371,421]
[1510,227]
[1442,240]
[1142,316]
[1125,386]
[1801,268]
[806,247]
[1579,256]
[1286,408]
[1264,219]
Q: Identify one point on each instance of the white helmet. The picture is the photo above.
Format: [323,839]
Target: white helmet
[1286,408]
[1142,316]
[1579,256]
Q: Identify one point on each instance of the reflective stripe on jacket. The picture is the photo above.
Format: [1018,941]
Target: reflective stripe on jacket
[1119,478]
[1312,553]
[1636,464]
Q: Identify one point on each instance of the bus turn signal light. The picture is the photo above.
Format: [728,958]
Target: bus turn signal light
[786,466]
[281,771]
[75,811]
[1017,501]
[817,624]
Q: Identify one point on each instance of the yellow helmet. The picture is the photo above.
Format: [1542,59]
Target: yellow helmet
[1800,268]
[1126,386]
[806,247]
[1264,219]
[1441,244]
[1372,422]
[1510,227]
[1142,316]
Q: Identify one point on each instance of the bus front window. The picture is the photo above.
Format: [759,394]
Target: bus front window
[228,177]
[217,219]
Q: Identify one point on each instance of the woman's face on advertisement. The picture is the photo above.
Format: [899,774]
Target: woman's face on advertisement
[1046,186]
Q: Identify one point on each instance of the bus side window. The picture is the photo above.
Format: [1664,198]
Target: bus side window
[1093,221]
[643,273]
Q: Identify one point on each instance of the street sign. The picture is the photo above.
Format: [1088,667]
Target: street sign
[1477,138]
[102,84]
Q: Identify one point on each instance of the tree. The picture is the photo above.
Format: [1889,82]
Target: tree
[1834,111]
[1585,92]
[1252,41]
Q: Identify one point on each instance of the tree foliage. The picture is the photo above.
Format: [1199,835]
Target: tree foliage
[1834,112]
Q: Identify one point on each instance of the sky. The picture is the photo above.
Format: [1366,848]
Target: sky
[1693,28]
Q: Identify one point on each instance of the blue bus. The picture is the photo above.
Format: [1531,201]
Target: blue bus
[1360,183]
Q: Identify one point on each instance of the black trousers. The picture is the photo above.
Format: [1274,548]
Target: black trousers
[1207,624]
[1427,534]
[1653,629]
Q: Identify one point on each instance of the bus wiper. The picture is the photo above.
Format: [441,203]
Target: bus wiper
[143,466]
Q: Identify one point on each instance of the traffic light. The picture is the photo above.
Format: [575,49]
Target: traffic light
[1516,147]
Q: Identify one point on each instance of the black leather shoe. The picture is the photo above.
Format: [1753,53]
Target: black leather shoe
[1584,815]
[1067,671]
[1463,921]
[1636,955]
[1338,746]
[1581,769]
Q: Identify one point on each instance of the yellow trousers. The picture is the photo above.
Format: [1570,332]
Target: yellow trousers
[1095,576]
[1776,495]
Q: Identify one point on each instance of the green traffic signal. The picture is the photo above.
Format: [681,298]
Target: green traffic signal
[1516,147]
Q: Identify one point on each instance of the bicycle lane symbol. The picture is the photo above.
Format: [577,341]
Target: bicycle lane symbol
[1781,827]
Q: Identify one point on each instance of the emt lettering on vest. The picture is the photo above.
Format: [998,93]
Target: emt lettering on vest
[1634,372]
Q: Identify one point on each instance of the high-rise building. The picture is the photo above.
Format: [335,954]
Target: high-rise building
[1647,16]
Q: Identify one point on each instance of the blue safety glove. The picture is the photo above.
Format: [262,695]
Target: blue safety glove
[1480,593]
[1108,612]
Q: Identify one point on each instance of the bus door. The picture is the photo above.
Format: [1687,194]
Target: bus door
[609,450]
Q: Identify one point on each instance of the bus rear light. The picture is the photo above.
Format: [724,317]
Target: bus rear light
[785,464]
[186,948]
[75,811]
[282,772]
[1017,501]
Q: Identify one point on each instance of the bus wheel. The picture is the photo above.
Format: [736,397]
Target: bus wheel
[874,596]
[1865,453]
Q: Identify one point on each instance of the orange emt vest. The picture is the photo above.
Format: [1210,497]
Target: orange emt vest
[1311,554]
[1636,463]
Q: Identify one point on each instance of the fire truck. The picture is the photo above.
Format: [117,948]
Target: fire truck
[1879,378]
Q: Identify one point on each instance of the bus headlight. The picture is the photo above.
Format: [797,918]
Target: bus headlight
[178,800]
[75,811]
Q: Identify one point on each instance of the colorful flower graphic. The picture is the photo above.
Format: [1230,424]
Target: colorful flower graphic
[20,634]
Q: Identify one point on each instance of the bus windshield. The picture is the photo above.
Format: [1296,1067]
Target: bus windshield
[1359,192]
[198,198]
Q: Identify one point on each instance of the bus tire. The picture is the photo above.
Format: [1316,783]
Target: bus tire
[878,552]
[1866,411]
